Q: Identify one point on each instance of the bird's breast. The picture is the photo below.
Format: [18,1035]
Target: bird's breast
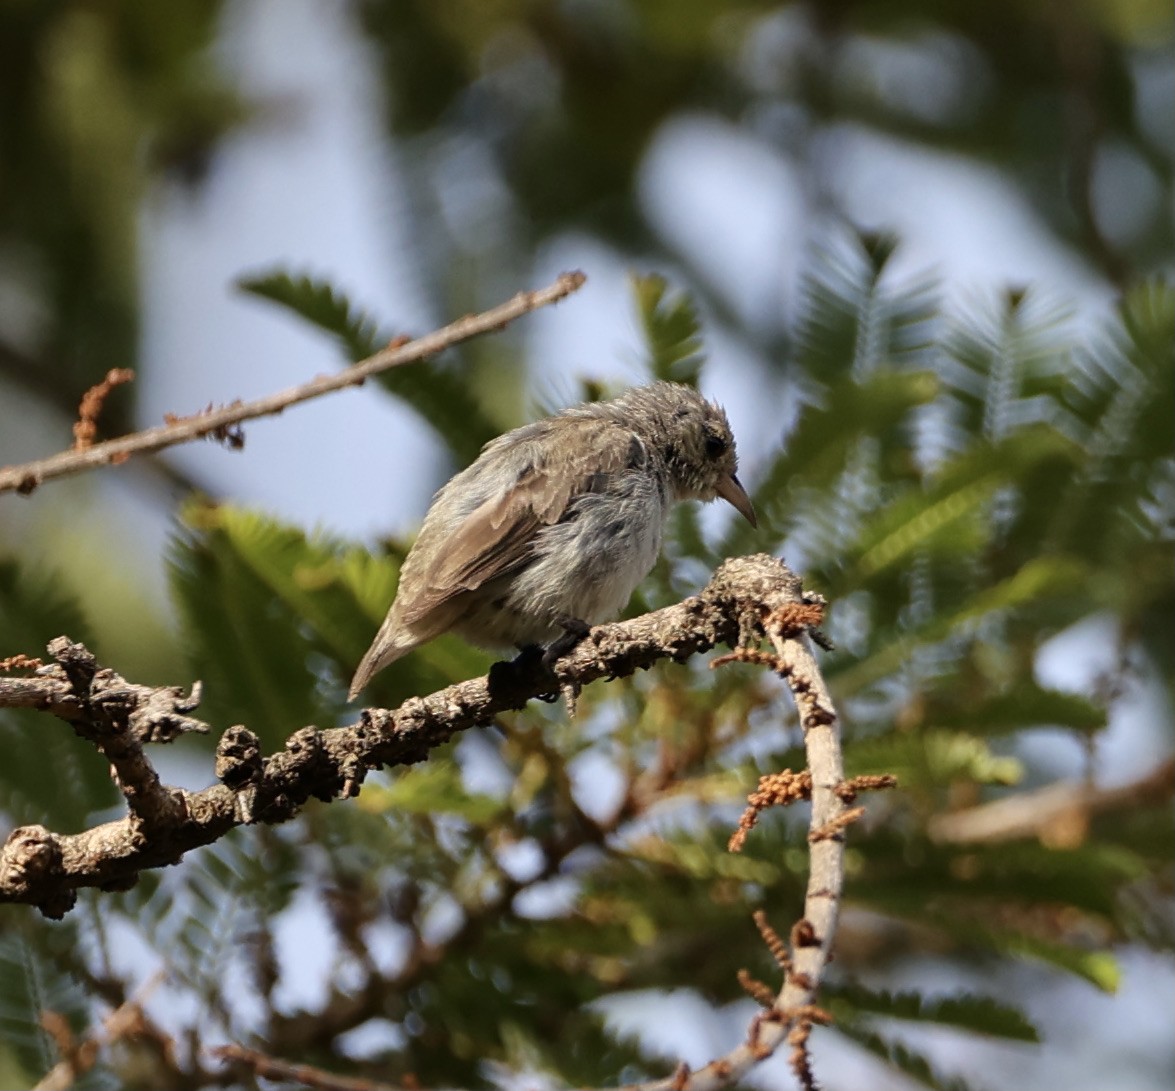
[589,563]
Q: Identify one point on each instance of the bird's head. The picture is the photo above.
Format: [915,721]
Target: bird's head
[691,437]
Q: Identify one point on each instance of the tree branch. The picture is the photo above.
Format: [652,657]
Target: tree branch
[26,477]
[43,868]
[1058,813]
[785,620]
[767,601]
[258,1064]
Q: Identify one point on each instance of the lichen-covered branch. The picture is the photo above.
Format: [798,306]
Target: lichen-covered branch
[44,868]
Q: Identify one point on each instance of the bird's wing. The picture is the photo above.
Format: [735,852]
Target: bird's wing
[496,538]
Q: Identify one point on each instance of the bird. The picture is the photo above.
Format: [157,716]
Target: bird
[553,526]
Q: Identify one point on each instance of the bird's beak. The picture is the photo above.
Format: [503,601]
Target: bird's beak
[731,490]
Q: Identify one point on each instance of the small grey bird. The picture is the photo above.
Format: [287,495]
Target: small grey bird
[555,523]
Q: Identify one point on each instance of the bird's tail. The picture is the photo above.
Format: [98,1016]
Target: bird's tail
[384,650]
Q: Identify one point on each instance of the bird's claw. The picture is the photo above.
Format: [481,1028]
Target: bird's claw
[506,672]
[574,631]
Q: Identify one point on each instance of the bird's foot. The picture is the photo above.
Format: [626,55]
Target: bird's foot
[508,673]
[574,631]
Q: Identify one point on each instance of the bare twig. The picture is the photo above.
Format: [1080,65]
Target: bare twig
[45,869]
[866,782]
[756,990]
[273,1068]
[77,1058]
[837,825]
[1058,814]
[26,477]
[773,942]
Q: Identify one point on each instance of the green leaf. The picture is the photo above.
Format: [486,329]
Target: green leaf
[585,1054]
[672,330]
[980,1014]
[48,774]
[34,608]
[1040,579]
[903,1058]
[964,888]
[959,493]
[1003,370]
[320,303]
[1116,406]
[35,978]
[208,915]
[932,758]
[277,620]
[1027,706]
[320,581]
[1120,389]
[442,397]
[1099,967]
[820,448]
[433,788]
[852,324]
[249,647]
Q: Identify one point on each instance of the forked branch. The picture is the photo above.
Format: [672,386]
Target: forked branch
[748,600]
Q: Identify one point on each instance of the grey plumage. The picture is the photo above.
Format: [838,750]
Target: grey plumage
[557,520]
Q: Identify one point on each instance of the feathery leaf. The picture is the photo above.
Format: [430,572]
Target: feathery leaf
[441,396]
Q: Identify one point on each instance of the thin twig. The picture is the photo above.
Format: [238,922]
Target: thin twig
[273,1068]
[775,790]
[773,941]
[126,1021]
[26,477]
[761,994]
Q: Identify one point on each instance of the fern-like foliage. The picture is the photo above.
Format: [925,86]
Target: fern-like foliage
[60,781]
[673,333]
[34,609]
[250,588]
[36,979]
[914,1064]
[321,304]
[978,1014]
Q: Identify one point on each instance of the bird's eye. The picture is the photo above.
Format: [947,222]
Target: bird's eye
[716,445]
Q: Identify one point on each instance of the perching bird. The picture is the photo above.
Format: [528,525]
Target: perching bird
[555,523]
